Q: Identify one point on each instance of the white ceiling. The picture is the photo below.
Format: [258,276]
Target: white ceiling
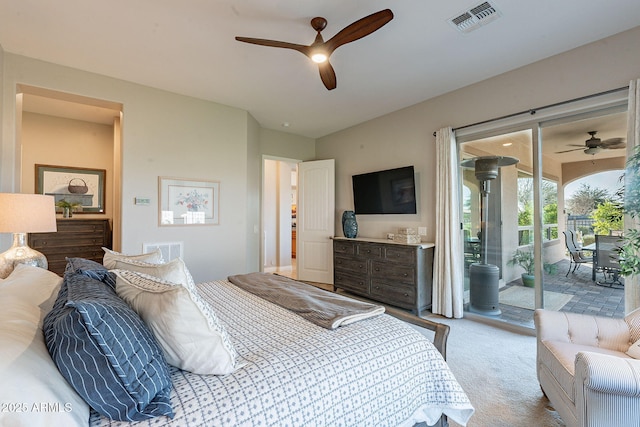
[188,47]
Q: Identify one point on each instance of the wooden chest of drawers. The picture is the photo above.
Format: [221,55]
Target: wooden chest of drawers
[82,238]
[392,273]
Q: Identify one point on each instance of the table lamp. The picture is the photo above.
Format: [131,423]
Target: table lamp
[21,214]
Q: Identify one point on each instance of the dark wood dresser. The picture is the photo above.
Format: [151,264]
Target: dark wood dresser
[81,238]
[392,273]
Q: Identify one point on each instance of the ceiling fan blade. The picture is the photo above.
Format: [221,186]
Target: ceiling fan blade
[568,151]
[274,43]
[361,28]
[328,75]
[616,147]
[613,143]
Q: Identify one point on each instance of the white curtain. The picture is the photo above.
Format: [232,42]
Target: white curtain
[448,277]
[632,284]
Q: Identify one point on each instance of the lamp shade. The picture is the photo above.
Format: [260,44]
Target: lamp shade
[27,213]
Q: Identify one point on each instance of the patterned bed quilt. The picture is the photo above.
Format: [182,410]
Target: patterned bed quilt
[374,372]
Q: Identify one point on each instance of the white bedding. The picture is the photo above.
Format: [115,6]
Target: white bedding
[376,372]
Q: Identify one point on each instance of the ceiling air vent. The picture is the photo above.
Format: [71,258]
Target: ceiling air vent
[475,17]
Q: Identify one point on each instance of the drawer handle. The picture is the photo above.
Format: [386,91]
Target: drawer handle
[377,287]
[360,266]
[377,269]
[405,274]
[406,295]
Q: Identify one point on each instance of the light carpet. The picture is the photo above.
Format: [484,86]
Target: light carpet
[497,370]
[523,297]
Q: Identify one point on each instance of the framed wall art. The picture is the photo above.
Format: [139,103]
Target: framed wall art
[187,201]
[82,187]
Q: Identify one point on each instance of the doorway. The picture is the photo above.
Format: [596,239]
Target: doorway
[61,129]
[279,216]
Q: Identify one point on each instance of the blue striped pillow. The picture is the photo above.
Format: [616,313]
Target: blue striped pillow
[106,352]
[91,269]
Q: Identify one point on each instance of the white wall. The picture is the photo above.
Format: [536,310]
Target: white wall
[406,136]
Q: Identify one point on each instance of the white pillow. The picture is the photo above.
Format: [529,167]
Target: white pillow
[184,324]
[634,350]
[174,271]
[111,256]
[33,392]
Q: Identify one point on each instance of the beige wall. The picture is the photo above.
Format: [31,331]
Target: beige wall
[57,141]
[163,134]
[286,145]
[406,136]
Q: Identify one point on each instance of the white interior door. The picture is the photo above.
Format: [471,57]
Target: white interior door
[315,220]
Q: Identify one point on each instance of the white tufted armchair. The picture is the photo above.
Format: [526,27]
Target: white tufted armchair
[583,369]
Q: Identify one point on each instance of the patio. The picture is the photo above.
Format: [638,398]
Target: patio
[586,295]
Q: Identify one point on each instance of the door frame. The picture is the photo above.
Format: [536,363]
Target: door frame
[264,195]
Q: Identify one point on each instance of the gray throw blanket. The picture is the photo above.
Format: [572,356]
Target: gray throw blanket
[318,306]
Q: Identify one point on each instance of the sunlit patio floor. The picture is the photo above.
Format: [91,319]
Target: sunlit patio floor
[587,296]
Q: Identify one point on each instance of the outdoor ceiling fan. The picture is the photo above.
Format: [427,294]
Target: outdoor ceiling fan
[594,145]
[319,51]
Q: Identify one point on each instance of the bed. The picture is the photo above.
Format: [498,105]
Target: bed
[287,371]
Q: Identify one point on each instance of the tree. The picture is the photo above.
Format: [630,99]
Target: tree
[630,252]
[586,199]
[607,216]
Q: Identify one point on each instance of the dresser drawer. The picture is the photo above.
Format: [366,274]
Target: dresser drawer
[401,295]
[343,247]
[67,241]
[351,282]
[369,251]
[393,272]
[400,254]
[351,265]
[81,226]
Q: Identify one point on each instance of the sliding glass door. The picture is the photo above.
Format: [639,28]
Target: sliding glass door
[516,217]
[500,205]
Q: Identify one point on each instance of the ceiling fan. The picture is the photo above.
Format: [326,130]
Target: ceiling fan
[594,145]
[320,51]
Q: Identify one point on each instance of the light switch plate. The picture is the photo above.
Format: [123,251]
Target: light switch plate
[142,201]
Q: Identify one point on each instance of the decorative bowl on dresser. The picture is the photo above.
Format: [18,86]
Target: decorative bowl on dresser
[398,274]
[82,238]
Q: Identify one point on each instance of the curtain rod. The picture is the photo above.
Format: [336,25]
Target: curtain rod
[532,111]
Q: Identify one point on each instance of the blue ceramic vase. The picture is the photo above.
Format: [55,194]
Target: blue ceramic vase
[349,224]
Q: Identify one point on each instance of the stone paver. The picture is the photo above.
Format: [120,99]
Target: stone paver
[588,297]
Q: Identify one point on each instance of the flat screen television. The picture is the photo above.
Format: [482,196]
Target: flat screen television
[391,191]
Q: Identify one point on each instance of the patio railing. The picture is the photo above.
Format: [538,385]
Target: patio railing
[525,233]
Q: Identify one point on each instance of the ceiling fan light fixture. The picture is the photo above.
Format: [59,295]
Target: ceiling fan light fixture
[592,150]
[319,57]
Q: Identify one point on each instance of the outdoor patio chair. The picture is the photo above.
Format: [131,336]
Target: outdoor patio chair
[576,256]
[607,260]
